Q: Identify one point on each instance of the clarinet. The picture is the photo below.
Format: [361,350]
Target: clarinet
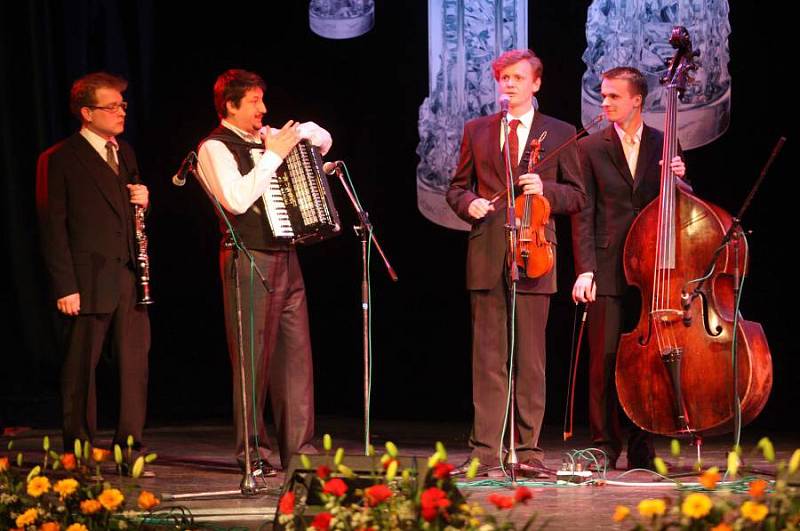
[142,258]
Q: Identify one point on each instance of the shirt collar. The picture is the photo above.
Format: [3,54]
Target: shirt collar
[526,119]
[621,133]
[97,141]
[241,132]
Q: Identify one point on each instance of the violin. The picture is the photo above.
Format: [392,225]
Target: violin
[533,253]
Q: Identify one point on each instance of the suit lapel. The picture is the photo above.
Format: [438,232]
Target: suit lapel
[617,155]
[492,141]
[99,171]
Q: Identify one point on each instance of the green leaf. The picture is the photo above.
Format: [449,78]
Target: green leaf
[117,454]
[327,442]
[46,443]
[305,461]
[34,472]
[441,450]
[339,457]
[391,449]
[766,447]
[149,458]
[77,448]
[472,471]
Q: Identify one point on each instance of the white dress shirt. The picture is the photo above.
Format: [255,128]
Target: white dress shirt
[219,172]
[630,145]
[524,127]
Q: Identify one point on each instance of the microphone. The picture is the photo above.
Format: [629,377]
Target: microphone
[332,167]
[504,100]
[187,166]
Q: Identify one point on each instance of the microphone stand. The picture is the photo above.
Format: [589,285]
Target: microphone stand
[365,233]
[734,238]
[513,278]
[248,485]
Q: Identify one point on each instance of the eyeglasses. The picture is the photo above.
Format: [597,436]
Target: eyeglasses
[113,107]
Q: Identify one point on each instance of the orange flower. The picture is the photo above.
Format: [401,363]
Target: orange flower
[77,527]
[65,487]
[722,527]
[758,488]
[522,495]
[90,507]
[38,486]
[50,526]
[111,499]
[68,461]
[147,500]
[620,513]
[100,455]
[710,478]
[27,518]
[3,464]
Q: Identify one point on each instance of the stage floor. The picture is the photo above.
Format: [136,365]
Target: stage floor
[198,458]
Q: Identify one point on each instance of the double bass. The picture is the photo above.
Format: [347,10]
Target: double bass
[675,369]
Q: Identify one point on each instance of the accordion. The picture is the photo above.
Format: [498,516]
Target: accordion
[299,207]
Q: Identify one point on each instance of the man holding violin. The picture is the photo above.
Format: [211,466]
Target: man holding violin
[622,174]
[479,177]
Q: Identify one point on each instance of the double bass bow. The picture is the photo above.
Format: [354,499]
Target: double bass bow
[675,371]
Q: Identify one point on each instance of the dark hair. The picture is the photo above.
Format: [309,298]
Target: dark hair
[231,86]
[515,56]
[84,90]
[636,81]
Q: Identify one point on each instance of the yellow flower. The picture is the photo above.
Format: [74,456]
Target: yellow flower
[111,499]
[90,506]
[620,513]
[50,526]
[3,464]
[696,505]
[147,500]
[27,518]
[652,507]
[38,486]
[754,511]
[77,527]
[66,487]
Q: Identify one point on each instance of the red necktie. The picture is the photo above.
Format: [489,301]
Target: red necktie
[513,143]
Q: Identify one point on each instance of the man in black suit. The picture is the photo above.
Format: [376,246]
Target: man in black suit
[621,171]
[86,188]
[479,176]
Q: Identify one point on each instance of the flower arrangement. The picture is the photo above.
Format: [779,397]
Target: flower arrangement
[770,505]
[67,493]
[394,499]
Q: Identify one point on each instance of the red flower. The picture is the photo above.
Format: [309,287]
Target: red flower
[286,505]
[758,488]
[322,521]
[388,462]
[433,501]
[442,470]
[377,494]
[500,501]
[68,461]
[336,486]
[323,472]
[522,494]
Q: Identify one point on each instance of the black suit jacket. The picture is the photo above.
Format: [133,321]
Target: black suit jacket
[480,173]
[86,221]
[613,200]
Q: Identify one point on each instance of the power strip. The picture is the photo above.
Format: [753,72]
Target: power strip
[573,476]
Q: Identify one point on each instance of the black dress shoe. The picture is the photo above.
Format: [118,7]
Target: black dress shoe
[264,469]
[533,468]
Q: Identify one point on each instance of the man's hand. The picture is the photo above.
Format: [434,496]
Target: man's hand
[677,166]
[69,304]
[480,207]
[531,184]
[584,290]
[282,142]
[139,194]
